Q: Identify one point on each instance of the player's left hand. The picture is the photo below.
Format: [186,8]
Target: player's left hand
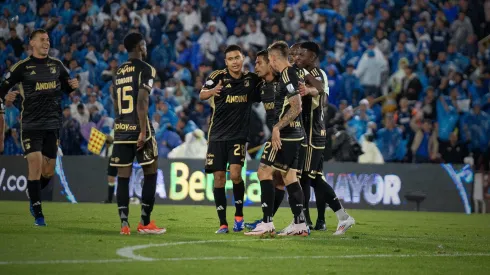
[73,83]
[141,141]
[276,138]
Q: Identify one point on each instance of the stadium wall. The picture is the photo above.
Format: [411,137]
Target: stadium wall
[83,179]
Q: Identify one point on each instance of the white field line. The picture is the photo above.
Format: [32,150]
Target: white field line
[128,254]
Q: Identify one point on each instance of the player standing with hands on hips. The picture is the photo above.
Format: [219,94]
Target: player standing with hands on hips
[42,81]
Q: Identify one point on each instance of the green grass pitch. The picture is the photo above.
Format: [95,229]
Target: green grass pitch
[84,239]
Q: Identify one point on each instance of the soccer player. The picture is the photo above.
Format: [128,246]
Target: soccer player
[268,88]
[281,152]
[230,93]
[42,80]
[134,135]
[313,117]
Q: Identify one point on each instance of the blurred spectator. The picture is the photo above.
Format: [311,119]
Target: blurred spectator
[425,147]
[161,56]
[189,18]
[453,151]
[167,140]
[460,30]
[12,115]
[167,117]
[16,43]
[370,71]
[350,87]
[194,147]
[82,114]
[198,115]
[389,140]
[70,136]
[12,143]
[93,102]
[255,39]
[411,85]
[185,126]
[371,153]
[344,147]
[447,115]
[396,79]
[210,40]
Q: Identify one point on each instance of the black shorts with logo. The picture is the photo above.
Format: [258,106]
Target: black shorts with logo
[221,153]
[44,141]
[313,161]
[111,170]
[123,154]
[283,159]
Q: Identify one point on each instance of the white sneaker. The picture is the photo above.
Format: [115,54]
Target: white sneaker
[295,230]
[344,225]
[262,229]
[288,228]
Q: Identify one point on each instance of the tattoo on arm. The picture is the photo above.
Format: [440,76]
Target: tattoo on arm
[292,113]
[142,107]
[46,160]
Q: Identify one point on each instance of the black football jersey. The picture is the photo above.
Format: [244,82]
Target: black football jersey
[41,83]
[267,96]
[131,77]
[288,87]
[313,115]
[231,109]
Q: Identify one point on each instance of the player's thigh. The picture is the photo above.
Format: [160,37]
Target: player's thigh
[148,154]
[216,157]
[31,141]
[49,152]
[150,169]
[219,179]
[123,155]
[277,179]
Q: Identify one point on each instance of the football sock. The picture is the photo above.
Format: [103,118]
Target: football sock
[305,185]
[267,199]
[333,202]
[239,193]
[44,182]
[220,201]
[320,192]
[278,198]
[296,198]
[34,190]
[110,191]
[123,199]
[148,198]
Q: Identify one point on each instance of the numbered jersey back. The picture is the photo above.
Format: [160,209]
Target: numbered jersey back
[132,77]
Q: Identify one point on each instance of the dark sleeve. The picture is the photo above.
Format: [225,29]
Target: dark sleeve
[13,76]
[2,108]
[257,82]
[290,79]
[213,79]
[147,78]
[64,77]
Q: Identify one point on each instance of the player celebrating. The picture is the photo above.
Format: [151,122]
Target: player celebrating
[281,152]
[268,87]
[231,94]
[41,79]
[313,118]
[134,135]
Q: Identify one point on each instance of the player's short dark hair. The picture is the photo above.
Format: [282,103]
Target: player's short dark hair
[264,54]
[281,47]
[36,32]
[311,46]
[295,45]
[132,40]
[233,48]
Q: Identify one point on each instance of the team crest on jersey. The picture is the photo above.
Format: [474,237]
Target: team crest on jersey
[7,76]
[290,88]
[52,70]
[247,83]
[209,82]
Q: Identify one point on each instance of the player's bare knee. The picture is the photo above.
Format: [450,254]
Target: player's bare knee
[34,162]
[289,177]
[219,179]
[236,177]
[265,172]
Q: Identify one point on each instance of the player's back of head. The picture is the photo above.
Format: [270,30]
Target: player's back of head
[311,46]
[132,40]
[280,48]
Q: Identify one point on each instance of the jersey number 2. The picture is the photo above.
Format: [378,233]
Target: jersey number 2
[123,96]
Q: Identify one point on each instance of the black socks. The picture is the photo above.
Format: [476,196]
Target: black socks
[267,199]
[220,201]
[296,198]
[148,198]
[239,193]
[123,199]
[34,190]
[278,198]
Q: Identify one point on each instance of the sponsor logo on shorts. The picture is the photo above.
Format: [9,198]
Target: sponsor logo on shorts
[115,160]
[124,127]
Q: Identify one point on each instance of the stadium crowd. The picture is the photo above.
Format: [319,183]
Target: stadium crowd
[408,80]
